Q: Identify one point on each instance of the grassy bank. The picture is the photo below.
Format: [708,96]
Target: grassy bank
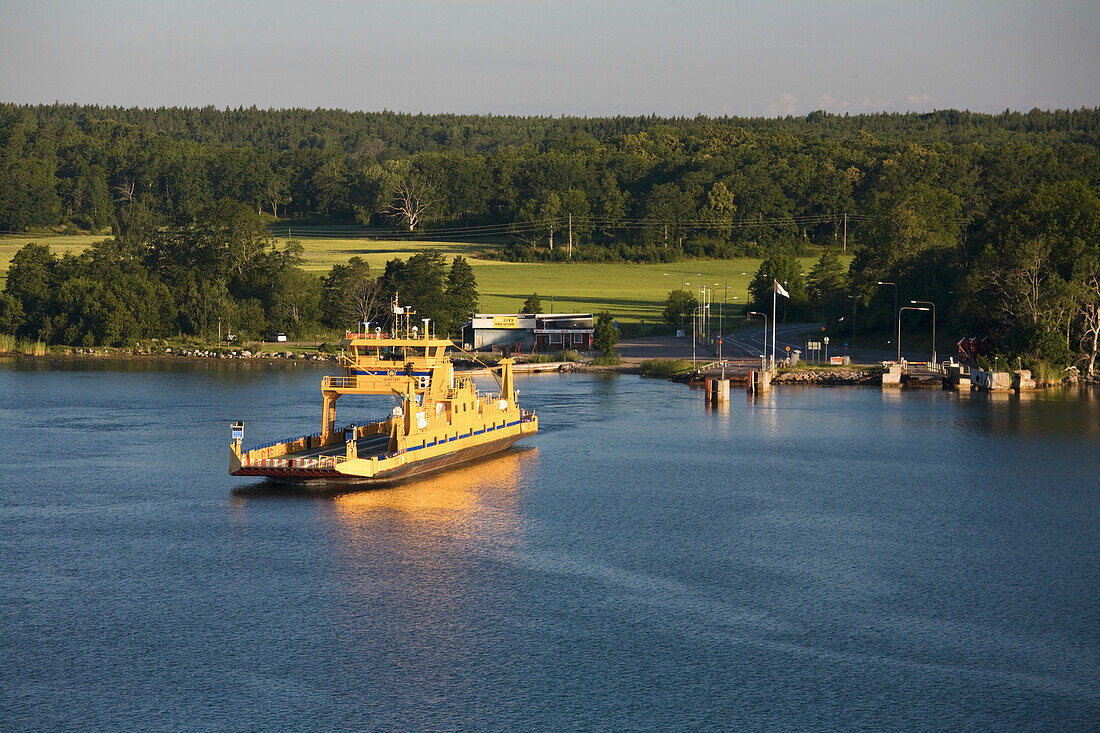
[663,368]
[11,345]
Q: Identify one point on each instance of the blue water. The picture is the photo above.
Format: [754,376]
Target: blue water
[816,559]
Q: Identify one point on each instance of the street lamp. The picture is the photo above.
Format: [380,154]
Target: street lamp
[928,302]
[895,286]
[721,319]
[705,303]
[765,315]
[694,338]
[904,308]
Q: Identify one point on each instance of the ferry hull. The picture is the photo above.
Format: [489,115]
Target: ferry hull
[409,470]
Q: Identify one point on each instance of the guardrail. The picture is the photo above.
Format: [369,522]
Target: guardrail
[328,382]
[923,366]
[758,363]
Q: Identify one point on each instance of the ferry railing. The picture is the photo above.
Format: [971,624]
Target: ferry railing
[926,367]
[328,382]
[313,439]
[295,463]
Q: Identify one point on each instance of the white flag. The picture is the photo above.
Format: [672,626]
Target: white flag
[781,290]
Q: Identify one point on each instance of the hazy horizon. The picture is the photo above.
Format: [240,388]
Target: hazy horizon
[564,58]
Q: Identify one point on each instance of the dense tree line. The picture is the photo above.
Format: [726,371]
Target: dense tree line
[989,216]
[628,187]
[1026,275]
[223,274]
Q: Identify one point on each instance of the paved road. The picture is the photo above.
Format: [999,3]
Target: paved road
[749,343]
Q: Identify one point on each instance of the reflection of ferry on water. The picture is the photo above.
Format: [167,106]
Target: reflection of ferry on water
[440,421]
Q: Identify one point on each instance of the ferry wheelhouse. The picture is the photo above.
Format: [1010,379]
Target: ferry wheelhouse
[440,419]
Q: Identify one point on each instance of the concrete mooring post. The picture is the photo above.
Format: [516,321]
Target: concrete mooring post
[759,381]
[987,381]
[717,391]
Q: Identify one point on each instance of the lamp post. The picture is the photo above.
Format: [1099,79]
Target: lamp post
[928,302]
[703,316]
[721,320]
[896,316]
[765,315]
[904,308]
[854,299]
[694,338]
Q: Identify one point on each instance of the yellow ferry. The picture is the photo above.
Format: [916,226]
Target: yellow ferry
[440,420]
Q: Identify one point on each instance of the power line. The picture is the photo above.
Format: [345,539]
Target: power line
[569,222]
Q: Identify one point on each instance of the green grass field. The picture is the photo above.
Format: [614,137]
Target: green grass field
[630,292]
[60,243]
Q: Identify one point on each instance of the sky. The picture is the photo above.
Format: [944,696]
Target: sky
[556,57]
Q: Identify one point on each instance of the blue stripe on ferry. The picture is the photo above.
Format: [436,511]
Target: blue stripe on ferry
[449,440]
[385,372]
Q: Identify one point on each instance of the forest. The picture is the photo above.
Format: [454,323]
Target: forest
[992,217]
[222,274]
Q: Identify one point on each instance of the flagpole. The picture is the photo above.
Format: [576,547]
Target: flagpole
[775,289]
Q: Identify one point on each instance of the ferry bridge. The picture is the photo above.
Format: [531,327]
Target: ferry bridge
[735,369]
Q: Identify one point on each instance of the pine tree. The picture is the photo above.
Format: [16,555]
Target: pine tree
[532,305]
[461,295]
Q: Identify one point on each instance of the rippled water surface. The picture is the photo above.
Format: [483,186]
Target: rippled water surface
[815,559]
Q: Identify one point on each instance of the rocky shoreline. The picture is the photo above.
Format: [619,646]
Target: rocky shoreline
[822,377]
[169,353]
[830,376]
[179,354]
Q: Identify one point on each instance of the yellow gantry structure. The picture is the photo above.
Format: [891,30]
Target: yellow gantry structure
[440,419]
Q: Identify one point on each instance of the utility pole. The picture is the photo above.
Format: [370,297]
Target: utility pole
[570,236]
[845,231]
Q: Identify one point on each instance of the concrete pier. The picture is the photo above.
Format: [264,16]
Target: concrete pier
[991,381]
[957,376]
[892,376]
[1021,380]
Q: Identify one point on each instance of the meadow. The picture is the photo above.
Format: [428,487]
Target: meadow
[631,292]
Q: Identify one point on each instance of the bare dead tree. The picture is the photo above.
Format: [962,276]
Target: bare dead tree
[1017,286]
[364,301]
[273,191]
[126,191]
[410,203]
[1090,315]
